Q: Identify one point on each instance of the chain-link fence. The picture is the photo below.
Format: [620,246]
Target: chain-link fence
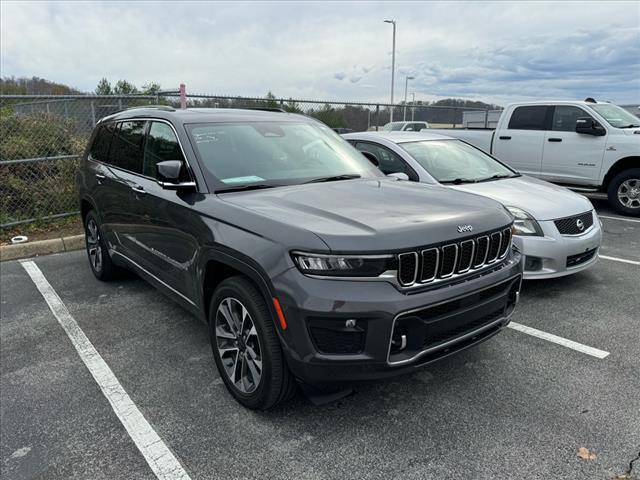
[41,138]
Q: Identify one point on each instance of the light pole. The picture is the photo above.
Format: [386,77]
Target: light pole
[413,105]
[406,84]
[393,63]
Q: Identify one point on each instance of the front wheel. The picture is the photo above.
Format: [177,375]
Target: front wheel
[246,347]
[624,192]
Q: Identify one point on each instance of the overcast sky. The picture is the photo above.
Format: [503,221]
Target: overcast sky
[495,52]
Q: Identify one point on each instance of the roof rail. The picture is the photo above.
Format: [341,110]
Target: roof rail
[265,109]
[165,108]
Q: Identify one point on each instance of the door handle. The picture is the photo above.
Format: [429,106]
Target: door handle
[505,138]
[138,189]
[554,140]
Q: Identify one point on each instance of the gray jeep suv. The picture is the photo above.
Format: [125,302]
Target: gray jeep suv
[307,263]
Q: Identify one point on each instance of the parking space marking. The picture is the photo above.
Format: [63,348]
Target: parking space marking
[620,218]
[623,260]
[161,460]
[594,352]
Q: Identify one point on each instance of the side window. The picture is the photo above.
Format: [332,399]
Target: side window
[415,127]
[126,151]
[565,116]
[161,145]
[101,143]
[529,118]
[389,161]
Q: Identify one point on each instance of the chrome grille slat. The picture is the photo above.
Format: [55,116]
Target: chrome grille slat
[446,257]
[462,268]
[483,250]
[404,263]
[453,259]
[426,267]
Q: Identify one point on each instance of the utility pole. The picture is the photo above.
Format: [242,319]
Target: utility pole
[413,105]
[393,63]
[406,84]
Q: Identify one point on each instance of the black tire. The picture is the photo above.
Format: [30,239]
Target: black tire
[99,260]
[276,383]
[631,178]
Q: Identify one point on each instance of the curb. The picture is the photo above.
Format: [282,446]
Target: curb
[41,247]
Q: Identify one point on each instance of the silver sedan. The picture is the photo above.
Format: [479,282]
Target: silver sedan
[558,230]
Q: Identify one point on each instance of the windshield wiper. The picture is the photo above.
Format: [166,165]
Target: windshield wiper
[458,181]
[499,176]
[248,186]
[334,178]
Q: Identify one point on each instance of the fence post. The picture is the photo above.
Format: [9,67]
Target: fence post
[377,113]
[486,118]
[93,113]
[120,104]
[282,103]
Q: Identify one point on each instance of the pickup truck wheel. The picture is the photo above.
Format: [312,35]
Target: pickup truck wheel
[624,192]
[246,347]
[99,259]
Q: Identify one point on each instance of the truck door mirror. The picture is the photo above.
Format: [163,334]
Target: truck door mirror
[372,158]
[589,126]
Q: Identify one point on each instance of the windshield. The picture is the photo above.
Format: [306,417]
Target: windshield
[452,161]
[275,153]
[616,116]
[393,127]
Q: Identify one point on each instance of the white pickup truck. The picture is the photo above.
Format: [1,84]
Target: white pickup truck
[586,146]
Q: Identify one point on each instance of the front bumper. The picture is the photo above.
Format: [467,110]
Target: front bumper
[319,343]
[556,255]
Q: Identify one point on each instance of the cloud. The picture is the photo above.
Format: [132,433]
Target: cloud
[492,51]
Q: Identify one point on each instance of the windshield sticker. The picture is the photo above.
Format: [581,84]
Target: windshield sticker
[249,179]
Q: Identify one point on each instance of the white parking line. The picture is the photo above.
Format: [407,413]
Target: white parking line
[163,463]
[623,260]
[619,218]
[594,352]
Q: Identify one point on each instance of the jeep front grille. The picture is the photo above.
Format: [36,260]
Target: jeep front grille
[452,259]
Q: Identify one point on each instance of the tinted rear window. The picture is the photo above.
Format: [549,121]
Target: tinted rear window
[101,142]
[529,118]
[126,151]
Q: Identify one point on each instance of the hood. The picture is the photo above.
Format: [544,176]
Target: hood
[374,215]
[541,199]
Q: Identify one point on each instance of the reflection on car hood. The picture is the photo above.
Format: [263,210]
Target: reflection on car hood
[543,200]
[375,215]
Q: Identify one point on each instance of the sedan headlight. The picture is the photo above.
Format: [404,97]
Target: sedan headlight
[343,265]
[524,223]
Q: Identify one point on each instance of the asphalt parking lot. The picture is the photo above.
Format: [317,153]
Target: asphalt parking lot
[517,406]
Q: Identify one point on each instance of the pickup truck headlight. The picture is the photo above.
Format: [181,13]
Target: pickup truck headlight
[524,223]
[343,265]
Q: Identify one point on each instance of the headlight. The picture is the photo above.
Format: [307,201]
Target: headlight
[343,265]
[524,223]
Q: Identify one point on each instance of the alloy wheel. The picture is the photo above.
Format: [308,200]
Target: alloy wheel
[93,245]
[629,193]
[238,345]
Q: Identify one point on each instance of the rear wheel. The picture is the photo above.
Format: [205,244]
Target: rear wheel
[246,347]
[99,259]
[624,192]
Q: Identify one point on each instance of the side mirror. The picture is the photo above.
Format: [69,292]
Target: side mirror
[399,176]
[169,173]
[372,158]
[589,126]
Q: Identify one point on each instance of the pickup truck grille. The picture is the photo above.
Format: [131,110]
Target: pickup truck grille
[453,259]
[571,225]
